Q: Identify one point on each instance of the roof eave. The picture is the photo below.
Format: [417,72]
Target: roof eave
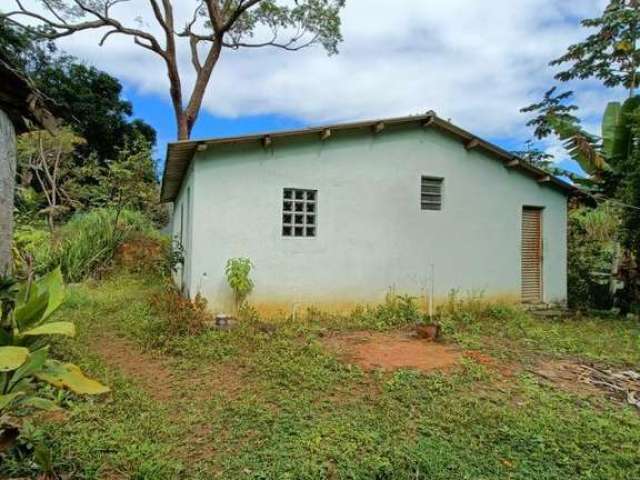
[180,154]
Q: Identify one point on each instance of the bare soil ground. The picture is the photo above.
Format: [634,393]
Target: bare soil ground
[391,351]
[152,374]
[178,389]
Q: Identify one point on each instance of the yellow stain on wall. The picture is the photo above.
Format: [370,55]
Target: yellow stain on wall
[341,306]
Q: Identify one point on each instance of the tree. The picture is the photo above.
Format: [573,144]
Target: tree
[49,159]
[91,101]
[539,158]
[127,182]
[83,97]
[611,53]
[611,160]
[213,26]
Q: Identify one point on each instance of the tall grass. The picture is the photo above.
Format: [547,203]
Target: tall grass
[81,247]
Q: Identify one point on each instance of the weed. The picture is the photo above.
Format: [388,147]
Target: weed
[237,271]
[396,311]
[82,247]
[282,406]
[178,315]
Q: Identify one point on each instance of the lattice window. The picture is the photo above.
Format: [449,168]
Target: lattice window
[299,212]
[431,193]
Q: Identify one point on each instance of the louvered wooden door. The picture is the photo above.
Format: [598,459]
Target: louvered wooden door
[531,255]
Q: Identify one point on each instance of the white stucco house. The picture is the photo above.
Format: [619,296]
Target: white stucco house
[340,215]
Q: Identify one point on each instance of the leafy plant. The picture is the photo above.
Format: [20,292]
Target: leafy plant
[179,315]
[592,251]
[396,311]
[83,246]
[237,271]
[611,55]
[49,158]
[24,354]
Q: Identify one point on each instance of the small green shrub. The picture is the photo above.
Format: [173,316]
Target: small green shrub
[177,315]
[237,271]
[33,245]
[142,253]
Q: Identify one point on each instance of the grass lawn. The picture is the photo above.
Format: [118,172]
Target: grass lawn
[251,404]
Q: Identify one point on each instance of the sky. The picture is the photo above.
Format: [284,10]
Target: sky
[474,62]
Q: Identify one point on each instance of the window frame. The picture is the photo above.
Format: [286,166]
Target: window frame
[440,181]
[304,205]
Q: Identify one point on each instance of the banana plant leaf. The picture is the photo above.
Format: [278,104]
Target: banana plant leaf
[68,375]
[30,311]
[53,328]
[37,302]
[12,358]
[616,129]
[33,364]
[613,134]
[53,283]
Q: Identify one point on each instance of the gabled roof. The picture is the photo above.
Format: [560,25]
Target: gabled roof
[180,154]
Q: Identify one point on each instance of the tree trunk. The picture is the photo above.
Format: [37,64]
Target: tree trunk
[7,181]
[184,132]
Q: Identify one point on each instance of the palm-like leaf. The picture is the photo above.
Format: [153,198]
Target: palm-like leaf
[580,145]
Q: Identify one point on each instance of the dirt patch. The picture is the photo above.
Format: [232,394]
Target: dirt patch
[506,369]
[182,389]
[152,374]
[163,378]
[391,351]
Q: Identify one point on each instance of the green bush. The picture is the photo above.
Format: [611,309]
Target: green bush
[83,246]
[592,239]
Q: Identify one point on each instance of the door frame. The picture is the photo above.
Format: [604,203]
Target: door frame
[540,210]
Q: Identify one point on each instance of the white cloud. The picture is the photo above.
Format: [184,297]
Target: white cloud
[476,62]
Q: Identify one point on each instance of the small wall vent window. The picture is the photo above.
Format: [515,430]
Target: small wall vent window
[299,212]
[431,193]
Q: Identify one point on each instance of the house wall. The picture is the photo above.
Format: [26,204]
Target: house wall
[372,236]
[182,230]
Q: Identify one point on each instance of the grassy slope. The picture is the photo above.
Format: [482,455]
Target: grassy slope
[252,405]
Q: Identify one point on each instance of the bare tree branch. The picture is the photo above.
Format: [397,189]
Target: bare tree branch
[290,46]
[62,28]
[228,24]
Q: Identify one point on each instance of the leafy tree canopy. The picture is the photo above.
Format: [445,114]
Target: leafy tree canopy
[91,101]
[83,97]
[610,54]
